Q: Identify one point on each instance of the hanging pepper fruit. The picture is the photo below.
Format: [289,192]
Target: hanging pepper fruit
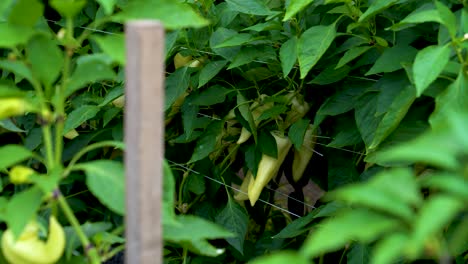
[268,167]
[299,108]
[257,110]
[20,174]
[243,194]
[30,249]
[10,107]
[303,156]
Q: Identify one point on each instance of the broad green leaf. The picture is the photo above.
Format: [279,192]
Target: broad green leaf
[218,37]
[297,227]
[235,40]
[13,35]
[201,247]
[13,154]
[194,228]
[10,126]
[281,258]
[168,203]
[88,72]
[176,85]
[21,209]
[389,249]
[25,13]
[207,142]
[288,55]
[112,45]
[79,116]
[428,64]
[209,71]
[297,132]
[433,217]
[366,120]
[105,179]
[312,45]
[269,25]
[162,10]
[394,114]
[393,58]
[46,59]
[189,116]
[108,5]
[450,183]
[68,9]
[358,254]
[454,98]
[448,18]
[245,56]
[331,75]
[244,109]
[420,15]
[19,68]
[235,219]
[359,225]
[113,94]
[351,54]
[213,95]
[376,7]
[251,7]
[294,7]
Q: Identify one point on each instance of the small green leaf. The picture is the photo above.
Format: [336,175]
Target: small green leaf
[272,112]
[235,40]
[281,258]
[176,85]
[294,7]
[244,109]
[207,142]
[13,154]
[288,55]
[389,249]
[267,144]
[209,71]
[105,179]
[113,94]
[393,58]
[10,126]
[13,35]
[108,5]
[195,228]
[297,132]
[351,54]
[448,18]
[189,116]
[19,68]
[358,254]
[235,219]
[46,59]
[376,7]
[68,9]
[428,64]
[79,116]
[22,208]
[25,13]
[251,7]
[331,75]
[112,45]
[213,95]
[312,45]
[420,15]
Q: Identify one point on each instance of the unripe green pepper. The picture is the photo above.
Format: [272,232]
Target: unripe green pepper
[303,156]
[30,249]
[268,167]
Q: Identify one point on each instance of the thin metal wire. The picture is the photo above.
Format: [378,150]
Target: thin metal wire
[240,191]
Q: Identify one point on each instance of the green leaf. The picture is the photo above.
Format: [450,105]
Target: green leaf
[105,179]
[436,213]
[294,7]
[13,35]
[189,116]
[112,45]
[79,116]
[235,40]
[22,208]
[207,142]
[168,214]
[297,132]
[281,258]
[13,154]
[68,9]
[288,55]
[389,249]
[450,183]
[267,26]
[376,7]
[162,10]
[331,75]
[245,56]
[267,144]
[448,18]
[88,72]
[213,95]
[360,225]
[428,64]
[420,15]
[312,45]
[218,37]
[46,59]
[113,94]
[393,58]
[176,85]
[244,109]
[195,228]
[19,68]
[272,112]
[235,219]
[10,126]
[25,13]
[251,7]
[209,71]
[351,54]
[108,5]
[358,254]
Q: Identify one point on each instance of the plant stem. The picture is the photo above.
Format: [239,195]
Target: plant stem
[89,249]
[48,147]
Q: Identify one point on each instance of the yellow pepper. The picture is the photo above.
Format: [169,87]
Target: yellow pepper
[268,167]
[10,107]
[257,111]
[20,174]
[243,194]
[303,156]
[299,108]
[30,249]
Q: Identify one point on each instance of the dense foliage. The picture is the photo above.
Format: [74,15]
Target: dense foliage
[269,105]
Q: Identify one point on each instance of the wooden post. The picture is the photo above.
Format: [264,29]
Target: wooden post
[144,138]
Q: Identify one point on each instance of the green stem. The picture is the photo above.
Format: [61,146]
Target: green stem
[48,147]
[90,250]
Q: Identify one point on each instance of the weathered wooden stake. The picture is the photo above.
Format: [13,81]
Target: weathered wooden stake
[144,138]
